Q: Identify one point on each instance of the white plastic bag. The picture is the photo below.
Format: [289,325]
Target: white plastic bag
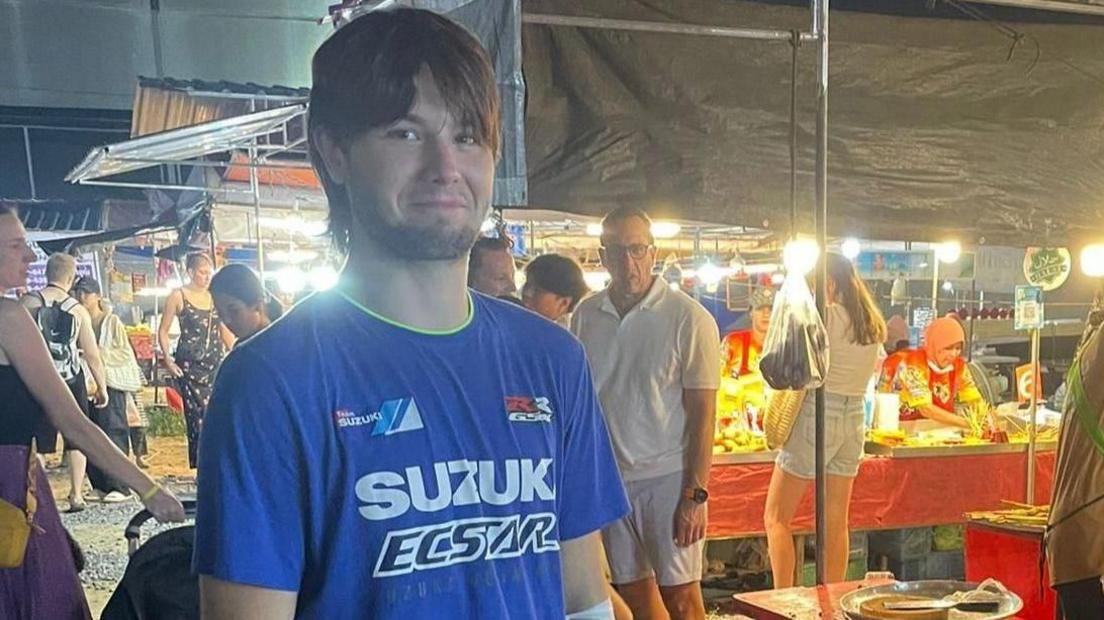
[795,352]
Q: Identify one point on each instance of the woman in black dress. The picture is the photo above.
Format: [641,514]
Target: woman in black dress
[203,340]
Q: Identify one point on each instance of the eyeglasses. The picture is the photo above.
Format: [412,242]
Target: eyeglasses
[635,250]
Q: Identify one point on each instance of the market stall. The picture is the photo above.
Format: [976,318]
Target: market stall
[910,488]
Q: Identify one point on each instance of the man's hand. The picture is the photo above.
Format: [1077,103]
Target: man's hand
[100,399]
[690,519]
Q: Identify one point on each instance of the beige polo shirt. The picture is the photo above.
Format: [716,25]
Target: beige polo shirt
[641,364]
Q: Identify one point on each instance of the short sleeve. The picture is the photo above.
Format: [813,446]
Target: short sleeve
[250,523]
[967,389]
[700,344]
[591,494]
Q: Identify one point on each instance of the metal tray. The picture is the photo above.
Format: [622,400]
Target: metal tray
[850,602]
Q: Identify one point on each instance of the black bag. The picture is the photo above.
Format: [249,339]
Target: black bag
[795,351]
[59,329]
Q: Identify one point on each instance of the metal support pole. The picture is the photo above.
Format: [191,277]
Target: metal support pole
[935,286]
[820,30]
[30,162]
[1031,428]
[254,187]
[660,27]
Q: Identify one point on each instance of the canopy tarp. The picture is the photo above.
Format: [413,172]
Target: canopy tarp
[933,132]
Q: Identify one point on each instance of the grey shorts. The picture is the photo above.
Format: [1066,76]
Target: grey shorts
[642,544]
[843,439]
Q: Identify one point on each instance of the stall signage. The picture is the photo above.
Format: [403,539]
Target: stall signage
[1026,380]
[1047,267]
[1029,307]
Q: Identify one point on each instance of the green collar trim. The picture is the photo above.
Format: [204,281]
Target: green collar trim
[417,330]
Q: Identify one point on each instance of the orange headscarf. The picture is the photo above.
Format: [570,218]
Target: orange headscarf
[942,333]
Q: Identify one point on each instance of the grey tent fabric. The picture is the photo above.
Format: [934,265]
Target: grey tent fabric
[933,131]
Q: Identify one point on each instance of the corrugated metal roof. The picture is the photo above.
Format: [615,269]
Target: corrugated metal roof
[61,215]
[223,86]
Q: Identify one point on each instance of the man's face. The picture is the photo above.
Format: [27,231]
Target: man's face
[16,254]
[420,187]
[629,256]
[760,319]
[545,303]
[242,320]
[495,275]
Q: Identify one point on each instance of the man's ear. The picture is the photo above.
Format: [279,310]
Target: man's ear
[333,158]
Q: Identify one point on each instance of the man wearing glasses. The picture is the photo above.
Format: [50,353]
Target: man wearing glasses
[655,355]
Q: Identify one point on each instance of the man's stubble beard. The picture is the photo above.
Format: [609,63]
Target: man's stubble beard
[413,242]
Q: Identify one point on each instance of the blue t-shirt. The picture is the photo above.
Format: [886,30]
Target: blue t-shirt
[383,472]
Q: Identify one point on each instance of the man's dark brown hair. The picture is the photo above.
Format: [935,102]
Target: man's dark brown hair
[363,77]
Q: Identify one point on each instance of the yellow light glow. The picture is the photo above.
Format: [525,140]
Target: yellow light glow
[948,251]
[665,230]
[594,230]
[1092,260]
[800,256]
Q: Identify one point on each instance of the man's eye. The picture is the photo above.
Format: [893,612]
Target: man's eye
[402,134]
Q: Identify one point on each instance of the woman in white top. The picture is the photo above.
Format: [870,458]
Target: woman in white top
[856,332]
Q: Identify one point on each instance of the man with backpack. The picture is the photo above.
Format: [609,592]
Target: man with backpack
[67,329]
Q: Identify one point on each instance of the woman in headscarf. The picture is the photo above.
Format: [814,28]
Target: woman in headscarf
[932,379]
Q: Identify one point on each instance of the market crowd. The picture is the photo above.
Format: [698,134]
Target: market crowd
[423,440]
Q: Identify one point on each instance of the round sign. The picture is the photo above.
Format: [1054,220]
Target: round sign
[1047,267]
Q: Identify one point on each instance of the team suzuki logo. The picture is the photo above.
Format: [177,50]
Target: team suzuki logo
[394,416]
[528,409]
[390,494]
[465,540]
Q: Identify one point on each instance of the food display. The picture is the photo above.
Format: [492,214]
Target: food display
[932,600]
[1019,514]
[876,607]
[737,441]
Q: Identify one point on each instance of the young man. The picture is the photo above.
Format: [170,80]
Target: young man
[73,338]
[655,353]
[491,267]
[398,447]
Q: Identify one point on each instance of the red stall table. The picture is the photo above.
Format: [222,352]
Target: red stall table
[910,487]
[1014,555]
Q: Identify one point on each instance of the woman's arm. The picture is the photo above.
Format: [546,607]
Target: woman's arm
[22,344]
[172,307]
[938,414]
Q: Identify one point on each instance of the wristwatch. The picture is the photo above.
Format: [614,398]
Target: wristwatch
[698,495]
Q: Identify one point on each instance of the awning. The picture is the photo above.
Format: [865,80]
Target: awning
[186,144]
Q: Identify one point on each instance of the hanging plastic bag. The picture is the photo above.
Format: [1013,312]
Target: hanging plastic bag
[795,352]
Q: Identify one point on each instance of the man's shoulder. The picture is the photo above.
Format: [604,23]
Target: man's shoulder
[591,303]
[532,331]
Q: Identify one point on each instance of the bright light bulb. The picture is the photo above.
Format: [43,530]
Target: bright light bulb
[323,278]
[710,275]
[947,286]
[487,226]
[850,248]
[800,256]
[737,263]
[594,230]
[948,251]
[291,280]
[665,230]
[777,278]
[1092,260]
[293,256]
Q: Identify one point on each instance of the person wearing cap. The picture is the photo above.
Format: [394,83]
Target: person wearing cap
[933,379]
[554,285]
[122,378]
[740,351]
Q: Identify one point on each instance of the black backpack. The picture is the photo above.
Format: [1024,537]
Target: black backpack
[59,329]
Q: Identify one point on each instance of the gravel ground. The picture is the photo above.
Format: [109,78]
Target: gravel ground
[99,528]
